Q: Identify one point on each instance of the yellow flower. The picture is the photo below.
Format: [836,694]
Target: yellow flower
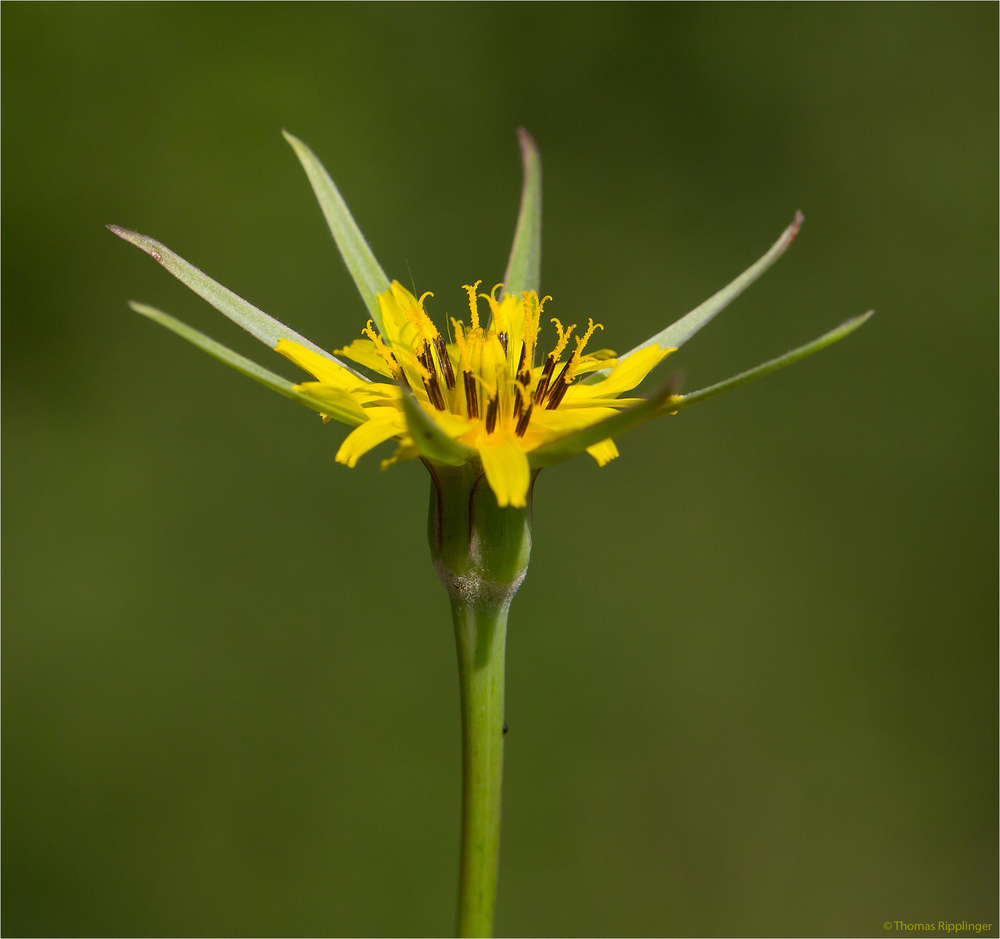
[489,395]
[483,389]
[491,401]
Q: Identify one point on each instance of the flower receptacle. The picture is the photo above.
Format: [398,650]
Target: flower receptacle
[480,550]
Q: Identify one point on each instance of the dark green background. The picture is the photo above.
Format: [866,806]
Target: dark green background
[752,672]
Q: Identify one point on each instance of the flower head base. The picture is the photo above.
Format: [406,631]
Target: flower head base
[482,390]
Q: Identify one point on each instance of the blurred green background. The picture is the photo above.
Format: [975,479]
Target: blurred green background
[752,672]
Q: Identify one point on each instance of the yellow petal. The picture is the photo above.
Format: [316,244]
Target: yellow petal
[603,358]
[626,375]
[603,452]
[563,420]
[328,372]
[385,423]
[506,468]
[405,451]
[342,400]
[454,425]
[600,402]
[398,332]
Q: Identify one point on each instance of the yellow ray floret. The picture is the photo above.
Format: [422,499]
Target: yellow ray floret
[483,391]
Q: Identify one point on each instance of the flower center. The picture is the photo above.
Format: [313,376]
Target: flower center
[486,374]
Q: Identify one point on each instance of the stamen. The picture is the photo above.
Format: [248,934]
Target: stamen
[523,397]
[525,419]
[574,363]
[563,338]
[445,360]
[387,356]
[562,383]
[417,364]
[559,387]
[497,323]
[532,314]
[473,305]
[543,379]
[471,396]
[425,327]
[426,359]
[401,377]
[491,414]
[581,342]
[434,392]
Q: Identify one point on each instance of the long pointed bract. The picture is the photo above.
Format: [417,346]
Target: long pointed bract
[256,322]
[361,262]
[569,445]
[772,365]
[247,366]
[675,335]
[525,263]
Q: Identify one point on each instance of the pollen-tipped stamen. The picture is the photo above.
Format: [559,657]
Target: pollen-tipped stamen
[559,387]
[543,379]
[396,367]
[568,373]
[492,411]
[519,371]
[523,420]
[426,359]
[471,395]
[522,407]
[532,307]
[470,289]
[434,392]
[564,335]
[445,360]
[386,355]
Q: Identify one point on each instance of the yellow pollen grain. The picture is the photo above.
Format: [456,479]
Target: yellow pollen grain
[581,342]
[473,304]
[563,338]
[423,323]
[490,298]
[532,313]
[381,349]
[422,370]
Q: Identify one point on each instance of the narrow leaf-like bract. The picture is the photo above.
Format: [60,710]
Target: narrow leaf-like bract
[256,322]
[525,263]
[827,339]
[361,262]
[348,412]
[675,335]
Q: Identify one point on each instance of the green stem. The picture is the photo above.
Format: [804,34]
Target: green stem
[480,635]
[481,553]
